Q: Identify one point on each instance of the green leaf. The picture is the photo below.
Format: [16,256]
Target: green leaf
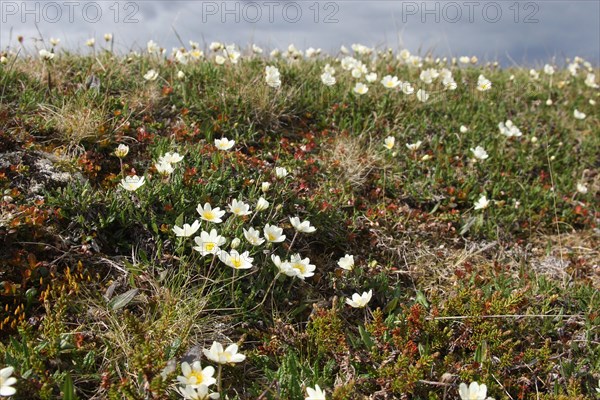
[421,299]
[366,337]
[123,299]
[68,389]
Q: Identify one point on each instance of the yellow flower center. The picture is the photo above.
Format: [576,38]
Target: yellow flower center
[237,262]
[197,375]
[299,267]
[271,237]
[209,246]
[209,215]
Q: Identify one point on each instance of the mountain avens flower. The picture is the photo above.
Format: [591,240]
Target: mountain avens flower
[228,356]
[187,230]
[132,183]
[207,213]
[360,300]
[195,376]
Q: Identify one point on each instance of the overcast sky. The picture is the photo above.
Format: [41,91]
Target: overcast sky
[526,32]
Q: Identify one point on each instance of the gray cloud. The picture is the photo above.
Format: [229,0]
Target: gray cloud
[563,28]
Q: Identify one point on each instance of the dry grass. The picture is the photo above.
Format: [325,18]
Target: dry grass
[352,160]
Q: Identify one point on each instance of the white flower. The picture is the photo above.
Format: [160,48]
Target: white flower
[464,59]
[407,88]
[228,356]
[232,54]
[196,54]
[272,76]
[90,42]
[261,204]
[54,41]
[163,167]
[209,214]
[371,77]
[389,142]
[195,376]
[422,95]
[312,52]
[479,153]
[253,236]
[219,59]
[122,150]
[256,49]
[590,80]
[303,227]
[235,243]
[7,381]
[265,186]
[548,69]
[315,394]
[346,262]
[275,53]
[390,82]
[132,183]
[414,146]
[473,392]
[152,47]
[302,267]
[239,208]
[427,76]
[534,74]
[236,260]
[508,129]
[108,37]
[327,79]
[449,83]
[224,144]
[284,267]
[172,158]
[197,393]
[273,233]
[581,188]
[463,129]
[482,203]
[281,172]
[349,63]
[187,230]
[573,67]
[578,114]
[359,70]
[483,84]
[46,55]
[151,75]
[360,300]
[209,243]
[329,69]
[360,88]
[216,46]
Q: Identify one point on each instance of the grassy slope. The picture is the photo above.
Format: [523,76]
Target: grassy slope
[506,296]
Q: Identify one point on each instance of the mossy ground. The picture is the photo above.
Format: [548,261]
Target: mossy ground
[506,296]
